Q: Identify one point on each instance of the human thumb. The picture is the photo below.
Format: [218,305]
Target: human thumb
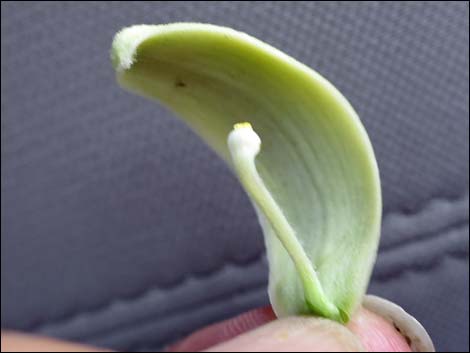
[258,330]
[295,334]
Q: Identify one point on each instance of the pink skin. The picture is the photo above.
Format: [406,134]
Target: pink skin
[375,334]
[257,330]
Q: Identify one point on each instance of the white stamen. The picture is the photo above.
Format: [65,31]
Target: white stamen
[243,139]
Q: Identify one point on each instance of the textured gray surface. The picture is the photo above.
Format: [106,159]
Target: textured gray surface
[116,219]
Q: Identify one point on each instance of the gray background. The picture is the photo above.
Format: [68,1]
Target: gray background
[120,228]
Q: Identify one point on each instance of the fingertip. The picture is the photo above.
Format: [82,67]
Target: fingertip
[376,334]
[257,330]
[294,334]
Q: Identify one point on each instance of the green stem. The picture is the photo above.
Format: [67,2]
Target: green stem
[244,145]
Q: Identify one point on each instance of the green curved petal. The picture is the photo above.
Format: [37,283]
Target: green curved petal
[316,160]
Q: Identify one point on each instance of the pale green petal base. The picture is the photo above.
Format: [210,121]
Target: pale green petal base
[316,160]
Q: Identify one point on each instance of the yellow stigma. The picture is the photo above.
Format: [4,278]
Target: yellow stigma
[242,126]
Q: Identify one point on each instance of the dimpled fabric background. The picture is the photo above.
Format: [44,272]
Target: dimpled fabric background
[120,228]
